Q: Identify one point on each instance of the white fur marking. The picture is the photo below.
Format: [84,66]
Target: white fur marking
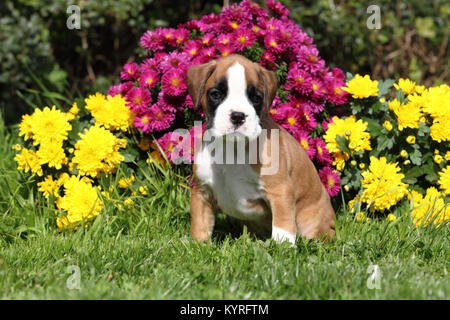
[281,235]
[236,100]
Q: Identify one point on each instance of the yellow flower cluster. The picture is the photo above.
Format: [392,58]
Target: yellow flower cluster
[110,112]
[97,151]
[382,184]
[408,116]
[430,207]
[354,131]
[48,129]
[362,87]
[436,103]
[80,202]
[433,102]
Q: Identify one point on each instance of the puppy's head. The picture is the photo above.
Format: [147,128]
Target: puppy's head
[234,93]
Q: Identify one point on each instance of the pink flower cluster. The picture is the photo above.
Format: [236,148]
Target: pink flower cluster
[156,89]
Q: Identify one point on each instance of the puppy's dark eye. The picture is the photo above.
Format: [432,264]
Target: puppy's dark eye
[215,94]
[256,99]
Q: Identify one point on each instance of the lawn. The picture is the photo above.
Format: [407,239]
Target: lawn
[145,252]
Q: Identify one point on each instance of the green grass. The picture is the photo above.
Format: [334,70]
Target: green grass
[146,252]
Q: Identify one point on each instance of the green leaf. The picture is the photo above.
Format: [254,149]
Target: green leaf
[384,87]
[342,143]
[416,157]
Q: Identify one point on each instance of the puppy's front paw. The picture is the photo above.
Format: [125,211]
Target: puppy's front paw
[281,235]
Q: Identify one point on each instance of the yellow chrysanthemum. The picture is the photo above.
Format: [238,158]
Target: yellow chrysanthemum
[97,151]
[437,101]
[440,129]
[408,116]
[388,125]
[444,180]
[432,207]
[27,160]
[111,112]
[47,125]
[382,184]
[48,187]
[52,154]
[80,202]
[362,87]
[407,86]
[95,102]
[74,110]
[124,183]
[354,131]
[391,217]
[26,127]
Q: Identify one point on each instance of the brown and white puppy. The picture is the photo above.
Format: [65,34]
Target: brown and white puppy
[235,95]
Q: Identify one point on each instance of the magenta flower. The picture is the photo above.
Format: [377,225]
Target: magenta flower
[306,142]
[192,47]
[323,156]
[277,7]
[178,60]
[299,80]
[149,79]
[130,71]
[330,179]
[138,99]
[181,35]
[151,40]
[173,82]
[242,39]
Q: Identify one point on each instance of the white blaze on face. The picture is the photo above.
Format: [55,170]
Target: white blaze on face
[236,101]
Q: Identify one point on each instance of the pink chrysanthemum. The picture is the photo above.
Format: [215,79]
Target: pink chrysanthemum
[149,79]
[334,92]
[291,118]
[151,40]
[178,60]
[130,71]
[225,49]
[306,142]
[330,179]
[323,156]
[173,82]
[192,48]
[223,39]
[181,35]
[299,80]
[273,42]
[138,99]
[242,39]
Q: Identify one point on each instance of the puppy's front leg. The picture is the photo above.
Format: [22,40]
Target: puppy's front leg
[282,205]
[202,215]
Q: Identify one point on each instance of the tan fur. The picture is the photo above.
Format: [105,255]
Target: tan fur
[295,199]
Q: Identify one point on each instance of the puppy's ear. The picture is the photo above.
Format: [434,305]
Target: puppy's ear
[196,78]
[270,82]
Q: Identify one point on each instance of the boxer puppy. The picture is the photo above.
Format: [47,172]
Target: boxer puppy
[235,95]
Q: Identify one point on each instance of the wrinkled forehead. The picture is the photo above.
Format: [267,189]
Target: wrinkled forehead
[234,70]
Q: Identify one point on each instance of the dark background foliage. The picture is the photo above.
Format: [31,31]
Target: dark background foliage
[43,62]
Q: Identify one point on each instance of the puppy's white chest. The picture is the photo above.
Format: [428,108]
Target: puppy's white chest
[236,187]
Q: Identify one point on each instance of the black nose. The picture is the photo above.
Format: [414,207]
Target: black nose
[237,118]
